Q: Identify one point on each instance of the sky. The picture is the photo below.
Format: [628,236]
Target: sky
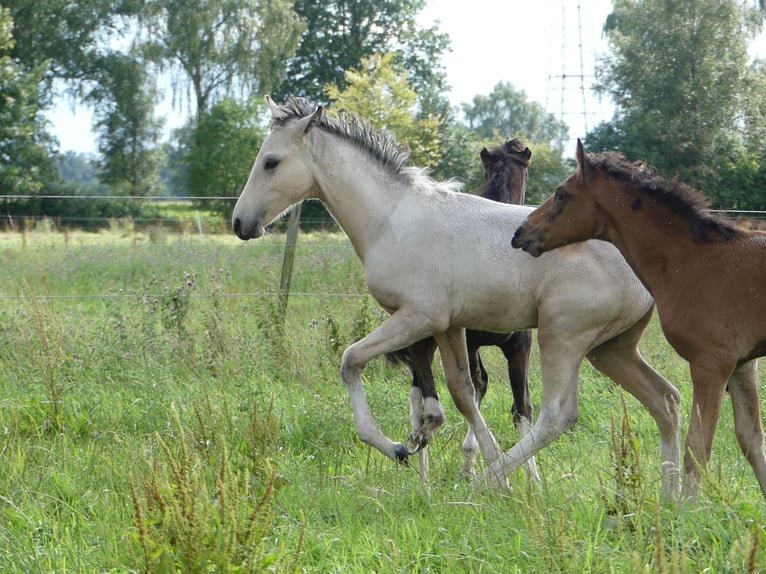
[547,48]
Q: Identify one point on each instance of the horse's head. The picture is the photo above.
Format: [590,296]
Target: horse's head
[281,175]
[505,172]
[568,216]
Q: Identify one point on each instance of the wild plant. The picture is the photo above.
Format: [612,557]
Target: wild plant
[629,480]
[44,335]
[203,507]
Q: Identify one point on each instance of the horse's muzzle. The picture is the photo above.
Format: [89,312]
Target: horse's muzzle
[522,241]
[245,232]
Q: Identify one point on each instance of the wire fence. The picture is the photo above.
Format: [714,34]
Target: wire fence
[218,225]
[197,216]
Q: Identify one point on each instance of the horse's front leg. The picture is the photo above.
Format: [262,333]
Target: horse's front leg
[709,386]
[454,353]
[398,331]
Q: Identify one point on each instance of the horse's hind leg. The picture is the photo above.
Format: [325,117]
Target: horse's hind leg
[426,413]
[560,355]
[743,388]
[620,360]
[480,380]
[516,351]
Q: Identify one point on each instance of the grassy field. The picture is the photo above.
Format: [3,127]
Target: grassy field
[155,416]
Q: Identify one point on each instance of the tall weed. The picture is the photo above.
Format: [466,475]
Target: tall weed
[202,507]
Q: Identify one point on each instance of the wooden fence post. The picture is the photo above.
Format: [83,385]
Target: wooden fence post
[293,226]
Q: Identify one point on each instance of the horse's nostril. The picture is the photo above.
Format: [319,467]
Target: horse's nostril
[236,226]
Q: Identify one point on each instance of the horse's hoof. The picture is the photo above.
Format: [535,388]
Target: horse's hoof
[401,453]
[418,439]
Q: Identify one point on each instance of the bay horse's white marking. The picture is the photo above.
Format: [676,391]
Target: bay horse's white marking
[423,245]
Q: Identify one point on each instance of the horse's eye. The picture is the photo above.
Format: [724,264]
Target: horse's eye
[270,164]
[560,195]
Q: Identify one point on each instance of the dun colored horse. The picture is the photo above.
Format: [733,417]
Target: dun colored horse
[423,245]
[707,275]
[505,174]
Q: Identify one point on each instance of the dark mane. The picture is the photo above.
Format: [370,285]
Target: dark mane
[676,196]
[379,144]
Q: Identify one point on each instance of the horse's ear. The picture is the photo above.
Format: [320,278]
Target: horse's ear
[582,161]
[315,118]
[485,157]
[527,155]
[275,109]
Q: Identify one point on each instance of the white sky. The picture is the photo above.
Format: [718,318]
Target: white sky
[547,48]
[533,45]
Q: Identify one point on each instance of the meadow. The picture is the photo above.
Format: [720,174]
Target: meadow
[158,415]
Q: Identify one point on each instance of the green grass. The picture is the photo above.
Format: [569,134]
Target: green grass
[155,417]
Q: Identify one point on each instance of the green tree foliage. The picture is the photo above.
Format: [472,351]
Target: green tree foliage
[383,97]
[71,43]
[25,163]
[215,48]
[67,37]
[678,73]
[81,171]
[460,149]
[507,110]
[340,34]
[506,113]
[222,149]
[127,131]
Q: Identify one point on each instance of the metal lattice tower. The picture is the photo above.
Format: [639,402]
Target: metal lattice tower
[570,76]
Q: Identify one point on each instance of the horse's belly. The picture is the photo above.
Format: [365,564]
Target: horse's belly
[502,306]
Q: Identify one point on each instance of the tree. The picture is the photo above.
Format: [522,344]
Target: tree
[340,34]
[508,111]
[67,37]
[223,146]
[383,97]
[127,131]
[74,44]
[676,73]
[216,47]
[25,158]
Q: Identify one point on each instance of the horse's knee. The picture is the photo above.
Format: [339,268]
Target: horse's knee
[350,366]
[560,419]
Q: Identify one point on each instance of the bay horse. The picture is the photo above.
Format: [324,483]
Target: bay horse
[707,275]
[505,180]
[422,244]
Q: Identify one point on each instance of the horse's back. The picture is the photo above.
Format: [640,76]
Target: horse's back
[492,286]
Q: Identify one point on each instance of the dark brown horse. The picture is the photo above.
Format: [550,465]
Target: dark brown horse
[505,174]
[707,276]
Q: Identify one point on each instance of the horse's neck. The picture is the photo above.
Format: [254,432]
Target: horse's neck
[655,242]
[351,187]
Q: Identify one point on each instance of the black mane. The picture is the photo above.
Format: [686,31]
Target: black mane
[676,196]
[379,144]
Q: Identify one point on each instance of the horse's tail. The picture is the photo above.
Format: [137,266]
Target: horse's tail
[400,357]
